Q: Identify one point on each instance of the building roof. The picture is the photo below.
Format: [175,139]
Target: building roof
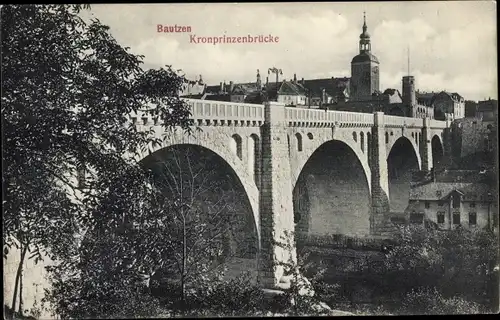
[257,97]
[245,88]
[364,57]
[334,87]
[212,89]
[192,87]
[425,96]
[442,190]
[451,95]
[283,88]
[218,97]
[487,105]
[291,88]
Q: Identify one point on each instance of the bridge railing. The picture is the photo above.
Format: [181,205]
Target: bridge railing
[395,121]
[206,111]
[225,111]
[319,117]
[438,124]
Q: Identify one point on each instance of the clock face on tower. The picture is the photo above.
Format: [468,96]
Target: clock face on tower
[375,70]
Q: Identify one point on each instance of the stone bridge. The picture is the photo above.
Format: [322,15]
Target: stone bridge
[313,171]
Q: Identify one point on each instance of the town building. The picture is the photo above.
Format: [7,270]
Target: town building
[448,106]
[454,198]
[359,93]
[470,108]
[487,111]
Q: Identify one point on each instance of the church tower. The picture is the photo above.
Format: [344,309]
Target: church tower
[365,78]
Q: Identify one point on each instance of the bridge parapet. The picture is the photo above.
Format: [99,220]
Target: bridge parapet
[205,112]
[300,117]
[437,124]
[400,122]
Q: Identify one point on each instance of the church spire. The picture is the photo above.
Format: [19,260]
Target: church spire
[364,22]
[364,38]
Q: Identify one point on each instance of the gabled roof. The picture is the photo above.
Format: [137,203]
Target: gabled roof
[452,96]
[391,92]
[442,190]
[245,88]
[291,88]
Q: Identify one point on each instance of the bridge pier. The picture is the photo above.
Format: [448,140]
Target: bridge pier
[380,176]
[426,146]
[276,200]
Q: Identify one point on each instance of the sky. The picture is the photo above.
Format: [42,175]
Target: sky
[450,45]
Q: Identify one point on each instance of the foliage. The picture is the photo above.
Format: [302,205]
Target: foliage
[458,263]
[431,301]
[68,90]
[170,230]
[234,297]
[300,298]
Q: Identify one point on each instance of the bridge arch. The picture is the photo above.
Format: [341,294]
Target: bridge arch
[437,151]
[219,194]
[402,160]
[332,192]
[219,146]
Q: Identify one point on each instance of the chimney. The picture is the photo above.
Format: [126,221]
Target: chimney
[267,81]
[221,88]
[230,86]
[294,78]
[302,81]
[224,86]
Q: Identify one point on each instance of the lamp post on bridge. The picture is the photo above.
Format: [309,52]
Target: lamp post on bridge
[277,72]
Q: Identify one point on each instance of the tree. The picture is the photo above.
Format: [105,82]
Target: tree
[68,90]
[458,263]
[301,296]
[171,229]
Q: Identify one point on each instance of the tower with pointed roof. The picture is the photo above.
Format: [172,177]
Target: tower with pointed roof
[259,82]
[365,77]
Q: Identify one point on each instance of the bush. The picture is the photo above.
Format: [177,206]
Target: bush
[234,297]
[431,301]
[456,262]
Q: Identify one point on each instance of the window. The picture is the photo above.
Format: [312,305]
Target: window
[440,203]
[427,204]
[472,219]
[456,217]
[440,217]
[299,141]
[416,218]
[472,204]
[456,201]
